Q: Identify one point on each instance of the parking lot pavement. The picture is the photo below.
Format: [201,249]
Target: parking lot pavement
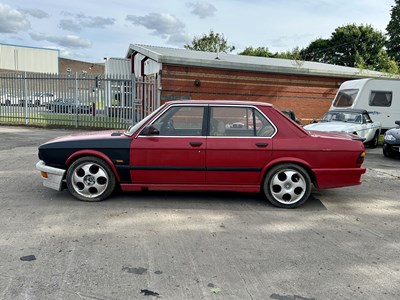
[342,244]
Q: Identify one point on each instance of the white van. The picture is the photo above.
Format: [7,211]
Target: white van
[380,97]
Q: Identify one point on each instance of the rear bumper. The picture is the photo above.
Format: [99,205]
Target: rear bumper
[52,177]
[334,178]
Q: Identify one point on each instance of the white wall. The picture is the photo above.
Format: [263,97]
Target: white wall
[27,59]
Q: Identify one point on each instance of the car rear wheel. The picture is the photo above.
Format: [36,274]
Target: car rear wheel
[90,179]
[287,185]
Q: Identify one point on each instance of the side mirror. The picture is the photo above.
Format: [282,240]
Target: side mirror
[150,130]
[397,122]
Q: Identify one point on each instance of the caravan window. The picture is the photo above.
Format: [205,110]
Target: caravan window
[379,98]
[345,98]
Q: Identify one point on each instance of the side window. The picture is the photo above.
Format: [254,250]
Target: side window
[181,121]
[379,98]
[238,121]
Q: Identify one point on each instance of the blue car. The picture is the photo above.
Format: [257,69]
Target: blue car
[391,142]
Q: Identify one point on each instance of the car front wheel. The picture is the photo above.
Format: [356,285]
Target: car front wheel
[287,185]
[386,151]
[90,179]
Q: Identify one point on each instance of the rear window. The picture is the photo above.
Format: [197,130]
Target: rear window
[345,98]
[380,98]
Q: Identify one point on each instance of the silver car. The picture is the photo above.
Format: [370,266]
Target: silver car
[354,121]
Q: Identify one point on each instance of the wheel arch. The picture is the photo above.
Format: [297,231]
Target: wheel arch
[82,153]
[287,160]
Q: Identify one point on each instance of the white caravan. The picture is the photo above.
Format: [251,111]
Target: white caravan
[380,97]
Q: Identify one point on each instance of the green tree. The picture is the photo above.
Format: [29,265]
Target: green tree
[294,54]
[259,51]
[212,42]
[264,52]
[393,32]
[352,45]
[316,51]
[348,41]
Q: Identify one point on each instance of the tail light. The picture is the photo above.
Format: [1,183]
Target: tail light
[360,158]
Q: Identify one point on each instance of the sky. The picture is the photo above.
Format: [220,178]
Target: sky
[91,31]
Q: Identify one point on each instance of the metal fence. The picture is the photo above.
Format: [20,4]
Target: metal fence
[78,100]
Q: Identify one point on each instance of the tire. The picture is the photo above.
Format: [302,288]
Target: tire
[386,152]
[287,185]
[374,142]
[90,179]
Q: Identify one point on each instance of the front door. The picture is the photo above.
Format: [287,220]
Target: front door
[175,152]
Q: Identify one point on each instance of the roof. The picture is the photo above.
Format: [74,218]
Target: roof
[178,56]
[220,102]
[349,110]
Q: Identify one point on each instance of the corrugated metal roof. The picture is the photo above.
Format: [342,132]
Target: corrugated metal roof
[120,66]
[179,56]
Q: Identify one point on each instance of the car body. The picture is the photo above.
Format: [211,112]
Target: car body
[41,98]
[186,145]
[70,106]
[8,99]
[391,141]
[354,121]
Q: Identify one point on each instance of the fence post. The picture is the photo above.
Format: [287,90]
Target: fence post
[76,99]
[25,100]
[133,91]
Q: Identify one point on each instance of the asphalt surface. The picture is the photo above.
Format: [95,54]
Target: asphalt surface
[342,244]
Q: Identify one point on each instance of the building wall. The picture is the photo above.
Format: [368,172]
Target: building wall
[76,66]
[28,59]
[308,96]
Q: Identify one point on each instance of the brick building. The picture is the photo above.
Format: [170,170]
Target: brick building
[76,66]
[305,87]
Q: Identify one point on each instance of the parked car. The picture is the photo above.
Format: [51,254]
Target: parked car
[69,106]
[8,99]
[391,141]
[354,121]
[185,145]
[39,99]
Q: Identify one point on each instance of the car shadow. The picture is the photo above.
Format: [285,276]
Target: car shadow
[209,200]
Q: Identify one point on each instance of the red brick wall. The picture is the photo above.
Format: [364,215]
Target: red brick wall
[308,96]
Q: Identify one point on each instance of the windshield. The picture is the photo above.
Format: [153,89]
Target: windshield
[345,98]
[349,117]
[132,129]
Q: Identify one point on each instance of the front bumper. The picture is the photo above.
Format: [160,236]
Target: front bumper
[52,177]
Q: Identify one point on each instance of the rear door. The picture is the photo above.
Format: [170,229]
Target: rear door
[240,147]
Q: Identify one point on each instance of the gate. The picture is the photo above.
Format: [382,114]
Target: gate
[78,100]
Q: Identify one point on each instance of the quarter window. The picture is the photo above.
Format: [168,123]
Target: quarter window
[379,98]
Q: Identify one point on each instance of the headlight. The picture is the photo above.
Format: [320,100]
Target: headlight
[389,138]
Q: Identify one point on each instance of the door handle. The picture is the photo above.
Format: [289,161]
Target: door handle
[196,144]
[262,145]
